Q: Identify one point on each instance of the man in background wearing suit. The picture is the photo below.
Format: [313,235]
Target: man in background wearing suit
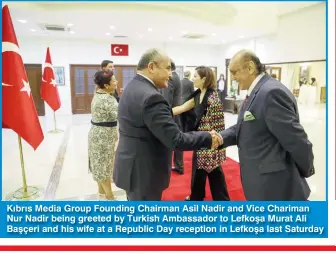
[107,65]
[173,95]
[187,86]
[148,132]
[275,154]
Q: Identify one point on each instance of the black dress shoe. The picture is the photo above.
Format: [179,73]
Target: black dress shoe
[179,171]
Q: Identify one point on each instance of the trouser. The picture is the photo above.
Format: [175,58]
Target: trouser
[178,160]
[217,185]
[138,196]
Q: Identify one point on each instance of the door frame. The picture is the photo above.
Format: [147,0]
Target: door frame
[98,66]
[37,65]
[120,88]
[72,82]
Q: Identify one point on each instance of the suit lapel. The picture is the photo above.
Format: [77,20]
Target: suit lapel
[249,102]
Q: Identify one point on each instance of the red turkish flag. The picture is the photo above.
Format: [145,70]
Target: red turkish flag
[119,49]
[18,108]
[49,91]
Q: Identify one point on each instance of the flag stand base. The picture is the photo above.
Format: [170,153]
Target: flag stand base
[32,193]
[56,131]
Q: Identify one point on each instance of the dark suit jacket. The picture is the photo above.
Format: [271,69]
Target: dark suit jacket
[187,88]
[116,96]
[147,134]
[173,94]
[274,151]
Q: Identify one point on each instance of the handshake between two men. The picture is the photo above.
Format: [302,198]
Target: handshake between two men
[217,139]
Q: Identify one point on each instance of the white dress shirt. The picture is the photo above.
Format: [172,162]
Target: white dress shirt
[254,83]
[148,79]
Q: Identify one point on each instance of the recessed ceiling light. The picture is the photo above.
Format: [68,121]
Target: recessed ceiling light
[184,32]
[72,32]
[112,27]
[223,41]
[170,38]
[70,24]
[198,39]
[32,30]
[213,34]
[242,37]
[150,29]
[108,34]
[22,21]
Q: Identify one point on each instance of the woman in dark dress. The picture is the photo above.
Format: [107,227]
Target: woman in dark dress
[209,115]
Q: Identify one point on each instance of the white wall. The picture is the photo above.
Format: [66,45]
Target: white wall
[301,36]
[64,53]
[318,71]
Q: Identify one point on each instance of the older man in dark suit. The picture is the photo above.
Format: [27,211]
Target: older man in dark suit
[275,154]
[173,95]
[187,86]
[148,132]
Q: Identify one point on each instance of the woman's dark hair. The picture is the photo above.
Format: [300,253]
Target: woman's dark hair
[207,72]
[102,78]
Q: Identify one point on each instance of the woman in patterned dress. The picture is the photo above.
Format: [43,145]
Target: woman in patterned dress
[209,112]
[103,135]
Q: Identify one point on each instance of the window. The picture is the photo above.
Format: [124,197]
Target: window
[79,81]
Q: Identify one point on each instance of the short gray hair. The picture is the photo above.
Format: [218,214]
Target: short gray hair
[248,55]
[187,74]
[150,55]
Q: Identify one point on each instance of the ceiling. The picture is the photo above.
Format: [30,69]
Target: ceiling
[206,22]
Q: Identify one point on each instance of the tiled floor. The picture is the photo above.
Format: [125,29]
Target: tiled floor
[59,165]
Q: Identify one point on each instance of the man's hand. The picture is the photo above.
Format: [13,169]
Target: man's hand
[217,139]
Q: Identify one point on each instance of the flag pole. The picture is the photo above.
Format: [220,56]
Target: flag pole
[26,192]
[55,121]
[24,179]
[55,130]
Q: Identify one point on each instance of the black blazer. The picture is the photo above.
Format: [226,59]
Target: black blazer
[190,120]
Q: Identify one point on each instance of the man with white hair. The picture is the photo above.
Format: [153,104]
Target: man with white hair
[275,154]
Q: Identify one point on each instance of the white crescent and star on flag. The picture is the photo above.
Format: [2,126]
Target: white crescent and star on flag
[11,47]
[52,81]
[117,50]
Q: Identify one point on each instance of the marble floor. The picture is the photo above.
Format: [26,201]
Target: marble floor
[59,165]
